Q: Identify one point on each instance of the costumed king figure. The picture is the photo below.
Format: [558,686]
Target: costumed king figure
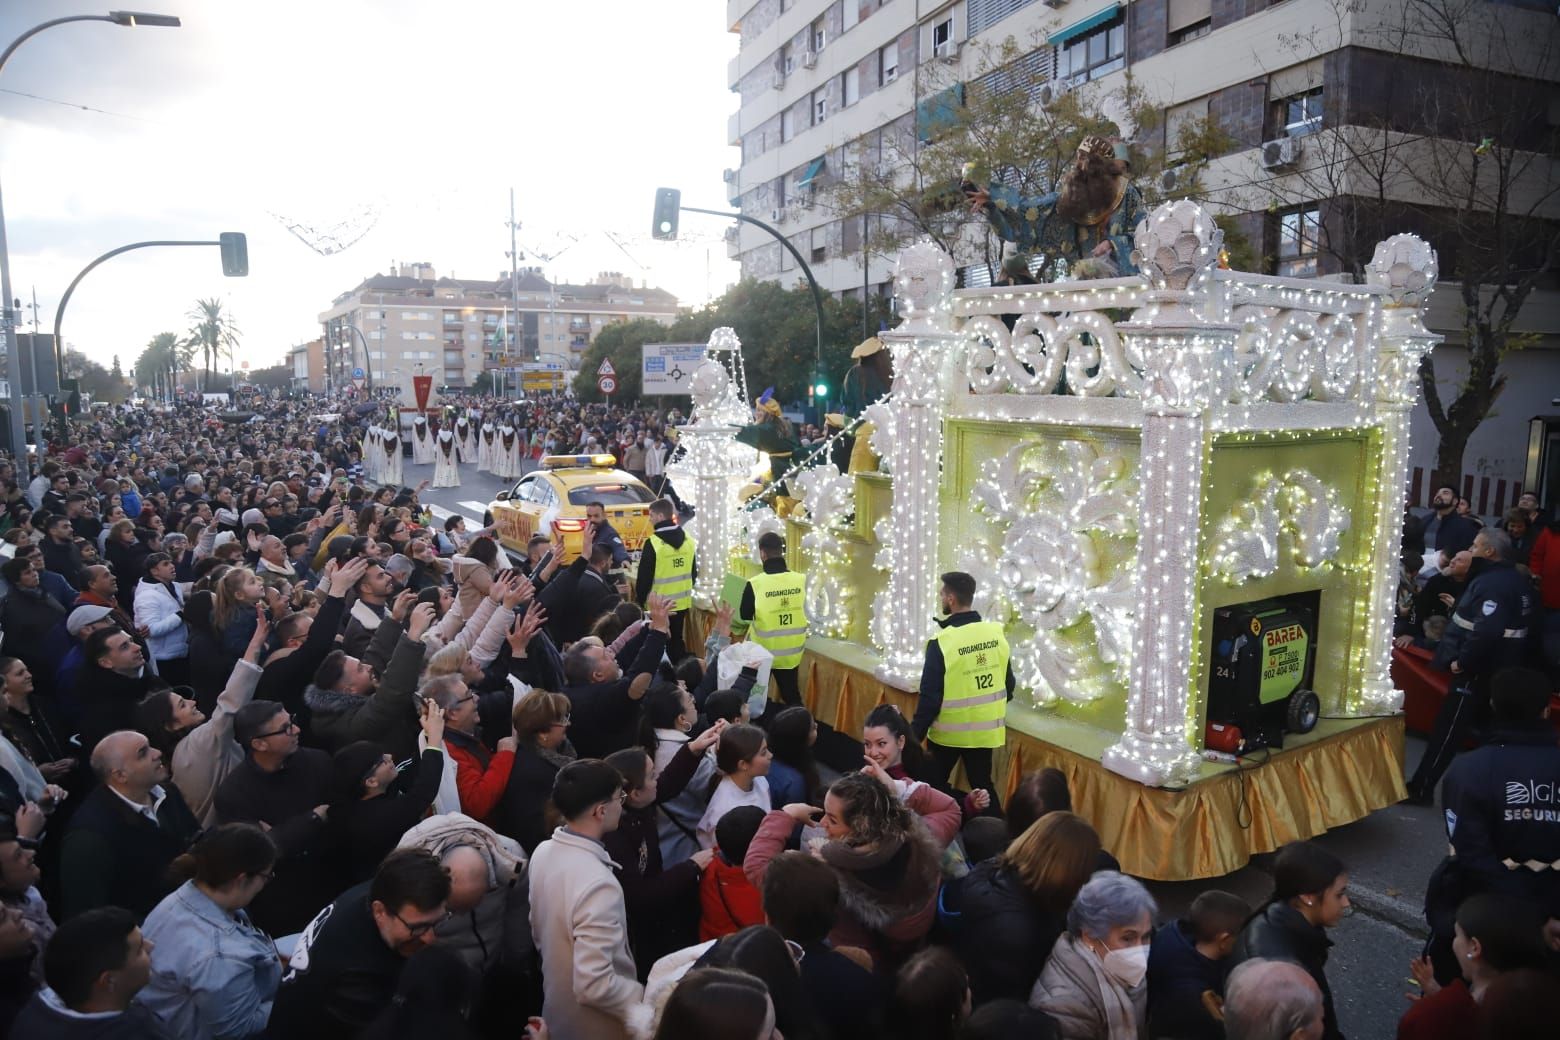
[771,433]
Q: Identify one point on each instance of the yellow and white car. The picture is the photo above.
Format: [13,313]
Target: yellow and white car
[552,500]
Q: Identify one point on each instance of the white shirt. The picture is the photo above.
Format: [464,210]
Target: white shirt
[149,811]
[727,797]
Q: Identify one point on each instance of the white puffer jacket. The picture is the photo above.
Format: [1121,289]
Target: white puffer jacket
[158,609]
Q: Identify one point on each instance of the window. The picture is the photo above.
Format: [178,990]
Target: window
[1299,242]
[851,13]
[983,14]
[787,124]
[820,106]
[787,60]
[1302,113]
[1187,20]
[888,64]
[850,86]
[1093,54]
[610,494]
[374,315]
[942,37]
[820,37]
[819,244]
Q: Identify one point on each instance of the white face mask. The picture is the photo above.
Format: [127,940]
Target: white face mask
[1127,966]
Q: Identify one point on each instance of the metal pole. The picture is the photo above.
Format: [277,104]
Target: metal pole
[866,279]
[59,314]
[817,293]
[13,359]
[368,362]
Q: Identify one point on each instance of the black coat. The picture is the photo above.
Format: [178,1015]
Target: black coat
[115,856]
[1178,976]
[28,617]
[522,812]
[284,679]
[284,801]
[345,977]
[364,833]
[1279,932]
[605,717]
[1003,935]
[1489,628]
[575,599]
[107,700]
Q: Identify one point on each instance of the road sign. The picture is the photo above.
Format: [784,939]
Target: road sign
[606,369]
[667,367]
[606,384]
[358,373]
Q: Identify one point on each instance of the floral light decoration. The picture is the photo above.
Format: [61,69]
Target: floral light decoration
[1059,557]
[828,497]
[1297,509]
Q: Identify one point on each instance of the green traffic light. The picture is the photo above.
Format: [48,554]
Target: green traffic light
[822,389]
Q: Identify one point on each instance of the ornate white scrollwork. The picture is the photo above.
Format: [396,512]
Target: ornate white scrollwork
[1042,348]
[1406,267]
[828,496]
[1176,246]
[1297,510]
[1059,557]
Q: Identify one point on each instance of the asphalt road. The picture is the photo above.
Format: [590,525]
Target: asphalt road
[1389,854]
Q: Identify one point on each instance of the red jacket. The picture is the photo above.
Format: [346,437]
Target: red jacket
[480,785]
[728,902]
[1544,561]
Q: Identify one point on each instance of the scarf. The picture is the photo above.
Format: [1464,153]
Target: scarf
[1073,976]
[559,756]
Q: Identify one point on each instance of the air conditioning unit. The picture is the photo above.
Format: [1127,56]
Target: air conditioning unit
[731,234]
[1280,153]
[807,200]
[778,215]
[1054,3]
[809,59]
[1049,92]
[948,52]
[729,176]
[1174,179]
[778,82]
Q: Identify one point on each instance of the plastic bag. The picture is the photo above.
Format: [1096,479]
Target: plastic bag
[738,656]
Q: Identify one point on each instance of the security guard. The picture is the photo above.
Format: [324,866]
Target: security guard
[1502,806]
[966,682]
[775,602]
[667,568]
[1488,631]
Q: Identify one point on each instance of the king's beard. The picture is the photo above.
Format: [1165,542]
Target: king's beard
[1089,190]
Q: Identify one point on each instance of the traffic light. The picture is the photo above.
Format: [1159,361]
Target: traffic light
[821,389]
[235,253]
[668,201]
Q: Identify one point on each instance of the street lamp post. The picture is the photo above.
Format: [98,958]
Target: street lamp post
[368,362]
[13,364]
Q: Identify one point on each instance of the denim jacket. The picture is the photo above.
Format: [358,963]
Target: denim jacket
[214,975]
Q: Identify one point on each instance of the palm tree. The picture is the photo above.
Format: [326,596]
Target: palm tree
[212,332]
[158,364]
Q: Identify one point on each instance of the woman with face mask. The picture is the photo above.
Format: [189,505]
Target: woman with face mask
[1093,983]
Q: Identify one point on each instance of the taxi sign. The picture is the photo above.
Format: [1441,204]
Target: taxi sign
[566,461]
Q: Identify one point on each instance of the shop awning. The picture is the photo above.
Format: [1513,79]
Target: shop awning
[808,175]
[1076,29]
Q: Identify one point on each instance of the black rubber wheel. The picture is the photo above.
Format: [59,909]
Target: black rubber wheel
[1305,707]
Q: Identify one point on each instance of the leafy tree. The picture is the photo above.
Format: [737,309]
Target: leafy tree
[777,327]
[94,380]
[483,384]
[213,333]
[157,366]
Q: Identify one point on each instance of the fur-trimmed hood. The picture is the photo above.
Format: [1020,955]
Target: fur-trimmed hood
[332,704]
[881,896]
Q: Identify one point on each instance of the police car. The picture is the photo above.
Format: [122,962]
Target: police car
[552,500]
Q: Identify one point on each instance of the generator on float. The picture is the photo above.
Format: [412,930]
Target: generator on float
[1263,665]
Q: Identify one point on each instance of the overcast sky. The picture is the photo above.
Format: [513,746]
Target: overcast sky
[405,123]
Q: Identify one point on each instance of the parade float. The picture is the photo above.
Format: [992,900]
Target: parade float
[1139,472]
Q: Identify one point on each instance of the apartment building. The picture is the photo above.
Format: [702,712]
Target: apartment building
[308,366]
[413,322]
[816,76]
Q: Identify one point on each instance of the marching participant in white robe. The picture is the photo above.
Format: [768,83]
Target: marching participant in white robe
[486,439]
[506,453]
[467,435]
[422,441]
[392,457]
[446,465]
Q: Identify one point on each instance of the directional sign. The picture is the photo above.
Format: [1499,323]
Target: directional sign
[667,367]
[358,373]
[606,384]
[606,368]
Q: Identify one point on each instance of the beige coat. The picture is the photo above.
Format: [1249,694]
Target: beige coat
[580,924]
[473,579]
[208,753]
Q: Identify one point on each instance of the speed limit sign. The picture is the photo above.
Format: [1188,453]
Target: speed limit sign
[606,384]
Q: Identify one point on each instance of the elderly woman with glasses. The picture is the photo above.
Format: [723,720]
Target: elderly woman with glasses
[214,974]
[1093,984]
[542,747]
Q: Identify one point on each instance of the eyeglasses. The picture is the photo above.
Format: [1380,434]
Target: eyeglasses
[422,927]
[288,727]
[563,722]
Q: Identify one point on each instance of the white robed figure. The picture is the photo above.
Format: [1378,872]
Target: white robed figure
[487,437]
[422,441]
[506,453]
[446,462]
[467,435]
[392,457]
[371,453]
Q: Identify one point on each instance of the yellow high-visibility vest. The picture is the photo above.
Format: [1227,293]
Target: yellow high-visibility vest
[780,616]
[974,706]
[674,571]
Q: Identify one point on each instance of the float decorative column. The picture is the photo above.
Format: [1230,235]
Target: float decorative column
[1188,370]
[909,437]
[1406,268]
[713,465]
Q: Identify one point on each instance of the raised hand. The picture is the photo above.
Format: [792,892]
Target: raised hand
[257,641]
[347,576]
[723,619]
[706,740]
[660,608]
[433,723]
[402,604]
[422,619]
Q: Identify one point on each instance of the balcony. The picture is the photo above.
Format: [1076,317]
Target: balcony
[734,128]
